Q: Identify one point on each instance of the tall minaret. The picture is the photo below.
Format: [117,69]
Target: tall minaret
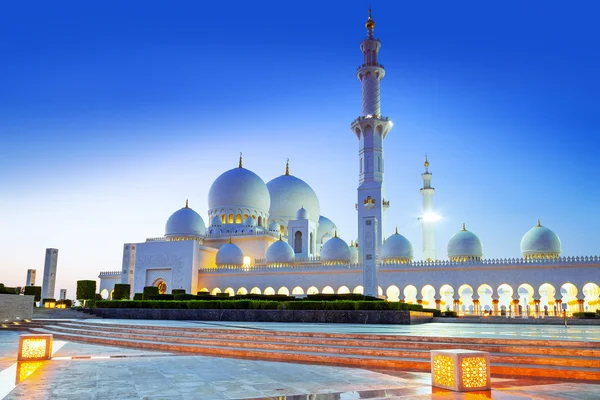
[370,129]
[428,218]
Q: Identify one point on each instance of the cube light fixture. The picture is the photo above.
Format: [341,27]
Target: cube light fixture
[35,347]
[460,370]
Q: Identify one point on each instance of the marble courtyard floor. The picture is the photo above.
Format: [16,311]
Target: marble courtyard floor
[85,371]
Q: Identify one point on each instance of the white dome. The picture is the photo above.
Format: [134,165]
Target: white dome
[250,221]
[238,188]
[288,194]
[540,242]
[302,214]
[215,221]
[326,226]
[465,245]
[353,254]
[230,255]
[185,222]
[397,248]
[280,252]
[274,226]
[335,251]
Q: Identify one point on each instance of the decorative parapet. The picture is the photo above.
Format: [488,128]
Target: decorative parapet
[250,232]
[385,204]
[361,118]
[566,261]
[156,239]
[108,274]
[268,267]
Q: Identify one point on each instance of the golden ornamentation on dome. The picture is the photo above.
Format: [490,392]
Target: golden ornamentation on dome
[396,230]
[426,164]
[370,24]
[539,223]
[287,166]
[464,228]
[240,160]
[186,203]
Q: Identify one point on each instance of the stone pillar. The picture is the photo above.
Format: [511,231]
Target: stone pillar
[495,310]
[515,308]
[580,302]
[438,304]
[456,306]
[537,308]
[476,309]
[557,308]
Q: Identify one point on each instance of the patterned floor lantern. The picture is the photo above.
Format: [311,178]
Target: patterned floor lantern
[35,347]
[460,370]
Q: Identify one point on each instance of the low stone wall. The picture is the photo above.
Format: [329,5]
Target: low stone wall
[518,321]
[314,316]
[15,307]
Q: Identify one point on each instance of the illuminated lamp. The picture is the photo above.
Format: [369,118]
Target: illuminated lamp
[35,347]
[460,370]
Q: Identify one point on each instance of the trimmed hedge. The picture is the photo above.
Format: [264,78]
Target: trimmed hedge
[86,290]
[262,305]
[138,296]
[150,291]
[451,314]
[177,291]
[9,290]
[66,302]
[34,291]
[434,311]
[162,297]
[348,296]
[122,291]
[584,315]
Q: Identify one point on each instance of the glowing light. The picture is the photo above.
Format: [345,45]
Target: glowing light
[35,347]
[430,217]
[247,261]
[26,368]
[460,370]
[443,371]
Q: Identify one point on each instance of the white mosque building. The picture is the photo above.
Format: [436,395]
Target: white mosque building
[271,238]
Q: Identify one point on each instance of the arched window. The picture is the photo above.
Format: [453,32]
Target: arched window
[311,245]
[223,219]
[245,216]
[238,218]
[298,242]
[259,221]
[230,219]
[282,229]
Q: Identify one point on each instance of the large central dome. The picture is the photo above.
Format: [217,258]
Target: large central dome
[238,190]
[288,195]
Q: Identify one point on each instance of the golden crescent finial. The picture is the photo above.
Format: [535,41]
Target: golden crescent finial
[396,230]
[335,234]
[426,164]
[280,237]
[186,203]
[370,24]
[539,223]
[464,228]
[240,160]
[287,166]
[229,239]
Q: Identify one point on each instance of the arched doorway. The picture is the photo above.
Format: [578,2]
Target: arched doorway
[358,290]
[526,301]
[255,290]
[505,292]
[297,291]
[343,290]
[447,298]
[328,290]
[215,291]
[298,242]
[283,291]
[568,292]
[428,294]
[242,291]
[465,292]
[410,294]
[269,291]
[547,299]
[312,290]
[591,293]
[229,291]
[392,293]
[485,292]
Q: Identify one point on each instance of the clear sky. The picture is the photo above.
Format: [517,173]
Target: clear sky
[113,113]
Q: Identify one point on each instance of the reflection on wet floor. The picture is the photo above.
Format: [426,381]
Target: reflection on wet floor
[26,368]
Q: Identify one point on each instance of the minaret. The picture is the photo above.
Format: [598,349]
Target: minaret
[428,218]
[370,129]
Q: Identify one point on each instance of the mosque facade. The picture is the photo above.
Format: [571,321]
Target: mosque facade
[271,238]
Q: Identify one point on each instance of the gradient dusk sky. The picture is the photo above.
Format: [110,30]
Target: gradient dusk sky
[113,113]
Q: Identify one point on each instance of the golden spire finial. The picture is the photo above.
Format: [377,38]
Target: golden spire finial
[280,239]
[352,243]
[229,239]
[186,203]
[426,164]
[539,223]
[240,160]
[370,24]
[396,230]
[335,234]
[464,228]
[287,166]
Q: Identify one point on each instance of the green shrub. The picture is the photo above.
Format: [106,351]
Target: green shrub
[162,297]
[122,291]
[66,302]
[220,295]
[450,314]
[138,296]
[184,296]
[336,297]
[203,293]
[86,290]
[35,291]
[435,312]
[584,315]
[177,291]
[9,290]
[150,291]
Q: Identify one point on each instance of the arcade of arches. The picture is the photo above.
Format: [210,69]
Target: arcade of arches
[547,299]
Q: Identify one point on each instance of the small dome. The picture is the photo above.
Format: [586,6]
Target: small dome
[335,251]
[215,221]
[353,253]
[326,226]
[274,226]
[229,255]
[238,188]
[540,242]
[302,214]
[185,222]
[250,221]
[465,246]
[397,249]
[280,253]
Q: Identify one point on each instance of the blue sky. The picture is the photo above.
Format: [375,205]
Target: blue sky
[111,115]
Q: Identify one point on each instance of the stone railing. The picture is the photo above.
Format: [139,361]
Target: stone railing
[156,239]
[265,267]
[106,274]
[252,231]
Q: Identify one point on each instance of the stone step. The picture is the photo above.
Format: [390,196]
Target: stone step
[235,335]
[338,348]
[321,357]
[358,336]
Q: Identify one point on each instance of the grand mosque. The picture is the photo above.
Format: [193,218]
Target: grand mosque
[272,238]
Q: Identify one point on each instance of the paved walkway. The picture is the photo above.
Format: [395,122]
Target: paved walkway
[82,371]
